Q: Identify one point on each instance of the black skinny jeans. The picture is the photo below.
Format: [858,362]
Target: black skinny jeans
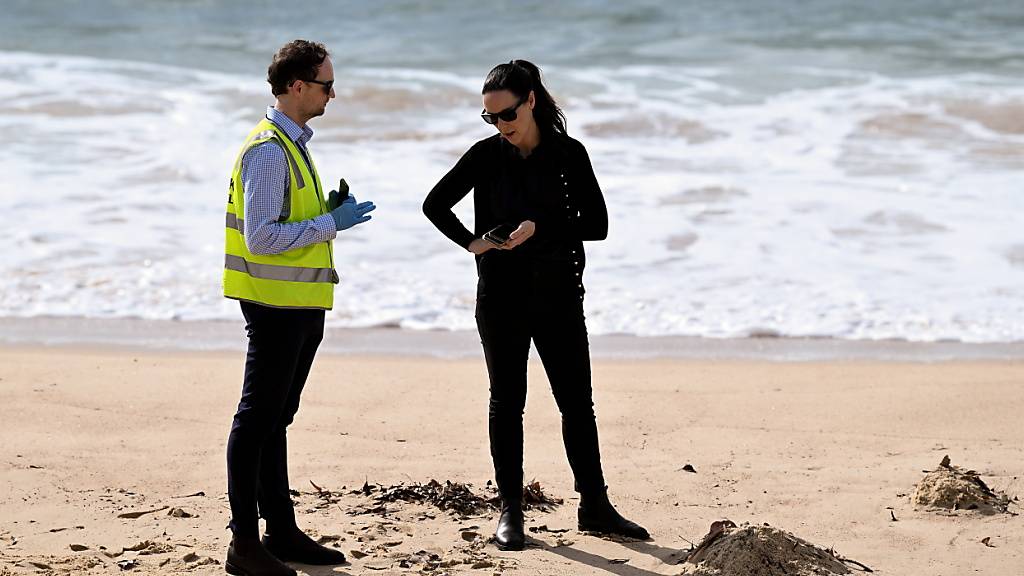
[544,306]
[282,344]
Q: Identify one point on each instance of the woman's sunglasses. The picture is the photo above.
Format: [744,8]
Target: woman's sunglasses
[508,114]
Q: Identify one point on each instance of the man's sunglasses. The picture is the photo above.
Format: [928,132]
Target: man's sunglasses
[327,84]
[508,114]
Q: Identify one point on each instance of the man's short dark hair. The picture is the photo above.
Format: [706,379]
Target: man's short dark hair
[296,60]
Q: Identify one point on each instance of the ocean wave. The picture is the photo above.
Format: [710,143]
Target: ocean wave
[857,206]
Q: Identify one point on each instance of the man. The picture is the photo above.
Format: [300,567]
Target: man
[279,265]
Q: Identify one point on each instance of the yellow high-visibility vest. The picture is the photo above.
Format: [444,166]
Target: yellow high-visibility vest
[299,278]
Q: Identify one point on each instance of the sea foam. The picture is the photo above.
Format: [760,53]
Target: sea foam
[856,206]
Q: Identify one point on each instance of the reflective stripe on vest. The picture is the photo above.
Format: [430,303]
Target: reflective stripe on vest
[232,221]
[274,272]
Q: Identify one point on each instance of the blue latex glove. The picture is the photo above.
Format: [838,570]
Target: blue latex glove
[350,213]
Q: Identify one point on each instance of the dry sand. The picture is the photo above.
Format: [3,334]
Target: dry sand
[829,451]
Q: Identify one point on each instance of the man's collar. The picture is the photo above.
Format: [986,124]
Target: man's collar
[293,130]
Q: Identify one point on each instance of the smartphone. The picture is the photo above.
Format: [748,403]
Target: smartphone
[499,234]
[342,190]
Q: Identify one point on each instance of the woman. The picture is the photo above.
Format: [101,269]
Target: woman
[534,177]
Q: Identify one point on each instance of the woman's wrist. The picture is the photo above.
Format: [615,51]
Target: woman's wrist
[479,246]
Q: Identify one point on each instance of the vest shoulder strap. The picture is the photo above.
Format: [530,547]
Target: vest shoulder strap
[272,136]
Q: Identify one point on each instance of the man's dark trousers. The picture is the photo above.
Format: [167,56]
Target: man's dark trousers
[282,344]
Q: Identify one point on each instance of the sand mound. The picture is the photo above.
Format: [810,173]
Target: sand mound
[730,550]
[954,488]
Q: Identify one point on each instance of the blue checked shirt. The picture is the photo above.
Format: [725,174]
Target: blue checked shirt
[265,178]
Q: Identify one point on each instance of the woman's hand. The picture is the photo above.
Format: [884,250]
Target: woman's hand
[479,246]
[520,235]
[517,237]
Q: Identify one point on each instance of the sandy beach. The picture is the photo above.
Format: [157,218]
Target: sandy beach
[808,291]
[828,450]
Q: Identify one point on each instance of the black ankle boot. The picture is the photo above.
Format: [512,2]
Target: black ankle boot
[292,545]
[596,514]
[247,557]
[509,534]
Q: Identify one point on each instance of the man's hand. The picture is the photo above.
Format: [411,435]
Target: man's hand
[350,213]
[520,235]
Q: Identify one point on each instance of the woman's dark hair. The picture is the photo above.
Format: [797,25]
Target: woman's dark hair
[296,60]
[519,77]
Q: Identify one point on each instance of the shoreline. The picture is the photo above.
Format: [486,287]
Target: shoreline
[222,335]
